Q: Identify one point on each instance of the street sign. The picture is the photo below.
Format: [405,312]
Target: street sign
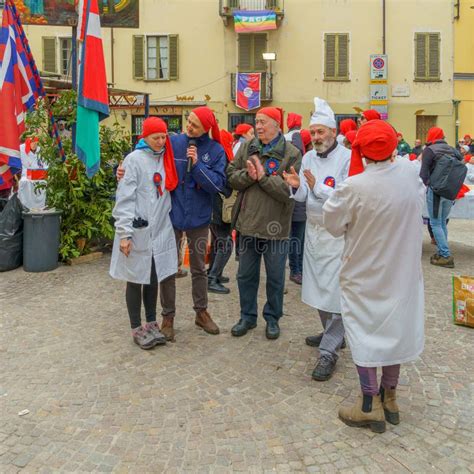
[378,93]
[378,67]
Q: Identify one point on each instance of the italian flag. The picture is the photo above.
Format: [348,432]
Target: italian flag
[92,99]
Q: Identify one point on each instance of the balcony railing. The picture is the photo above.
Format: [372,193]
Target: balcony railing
[227,7]
[266,87]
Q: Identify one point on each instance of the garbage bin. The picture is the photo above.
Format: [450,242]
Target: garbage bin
[41,233]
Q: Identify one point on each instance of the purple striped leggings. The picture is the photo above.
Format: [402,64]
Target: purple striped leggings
[368,378]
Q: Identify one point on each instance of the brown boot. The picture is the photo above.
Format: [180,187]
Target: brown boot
[204,320]
[367,411]
[167,328]
[388,396]
[447,262]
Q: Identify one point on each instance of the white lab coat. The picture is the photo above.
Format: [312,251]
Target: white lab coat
[379,213]
[29,196]
[322,252]
[137,197]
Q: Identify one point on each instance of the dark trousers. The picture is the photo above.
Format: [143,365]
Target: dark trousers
[197,243]
[221,248]
[274,254]
[135,293]
[295,254]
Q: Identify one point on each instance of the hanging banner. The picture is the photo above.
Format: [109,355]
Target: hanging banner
[249,21]
[248,86]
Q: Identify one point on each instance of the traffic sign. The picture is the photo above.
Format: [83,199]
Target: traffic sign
[378,93]
[378,67]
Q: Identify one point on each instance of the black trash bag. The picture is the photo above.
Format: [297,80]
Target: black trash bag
[11,235]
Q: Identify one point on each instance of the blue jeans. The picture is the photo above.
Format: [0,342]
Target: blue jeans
[439,224]
[295,255]
[274,254]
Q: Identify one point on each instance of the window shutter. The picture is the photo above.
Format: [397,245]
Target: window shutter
[343,56]
[434,53]
[245,54]
[330,56]
[138,57]
[49,55]
[259,47]
[173,56]
[420,56]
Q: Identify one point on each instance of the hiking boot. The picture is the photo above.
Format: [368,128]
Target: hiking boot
[242,327]
[143,338]
[154,329]
[315,341]
[434,257]
[367,411]
[167,328]
[388,396]
[214,286]
[223,279]
[272,330]
[447,262]
[297,278]
[324,368]
[204,321]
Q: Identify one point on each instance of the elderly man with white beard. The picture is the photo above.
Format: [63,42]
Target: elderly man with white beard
[322,171]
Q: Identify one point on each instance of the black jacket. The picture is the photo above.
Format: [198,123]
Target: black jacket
[431,154]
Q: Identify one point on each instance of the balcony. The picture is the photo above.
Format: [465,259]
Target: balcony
[266,87]
[227,7]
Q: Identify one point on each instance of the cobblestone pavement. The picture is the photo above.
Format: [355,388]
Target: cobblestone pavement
[214,403]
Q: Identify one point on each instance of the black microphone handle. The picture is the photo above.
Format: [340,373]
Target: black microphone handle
[190,165]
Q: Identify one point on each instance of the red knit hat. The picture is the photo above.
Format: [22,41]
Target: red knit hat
[156,125]
[371,114]
[208,121]
[467,137]
[226,142]
[376,140]
[347,125]
[28,143]
[399,134]
[305,137]
[243,128]
[434,134]
[274,113]
[294,120]
[350,136]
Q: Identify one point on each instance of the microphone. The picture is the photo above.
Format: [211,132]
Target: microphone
[191,142]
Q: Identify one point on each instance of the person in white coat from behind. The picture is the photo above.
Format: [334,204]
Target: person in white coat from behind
[144,252]
[378,210]
[322,171]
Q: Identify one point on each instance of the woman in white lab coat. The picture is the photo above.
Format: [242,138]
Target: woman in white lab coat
[378,212]
[144,252]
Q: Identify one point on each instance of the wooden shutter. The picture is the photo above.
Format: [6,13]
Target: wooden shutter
[433,55]
[329,56]
[420,55]
[139,57]
[49,55]
[173,56]
[245,52]
[342,56]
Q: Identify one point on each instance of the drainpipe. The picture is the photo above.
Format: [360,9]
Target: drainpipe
[112,59]
[456,119]
[383,27]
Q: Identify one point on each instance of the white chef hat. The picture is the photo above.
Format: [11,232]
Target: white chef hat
[323,114]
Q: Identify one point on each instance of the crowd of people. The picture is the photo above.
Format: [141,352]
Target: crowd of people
[338,200]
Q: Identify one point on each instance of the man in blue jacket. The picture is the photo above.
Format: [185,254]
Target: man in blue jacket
[201,164]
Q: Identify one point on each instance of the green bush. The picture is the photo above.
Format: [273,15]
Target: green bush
[86,203]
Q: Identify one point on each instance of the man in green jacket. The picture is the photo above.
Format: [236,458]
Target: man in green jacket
[262,215]
[403,148]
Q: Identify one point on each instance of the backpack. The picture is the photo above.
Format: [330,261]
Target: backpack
[448,176]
